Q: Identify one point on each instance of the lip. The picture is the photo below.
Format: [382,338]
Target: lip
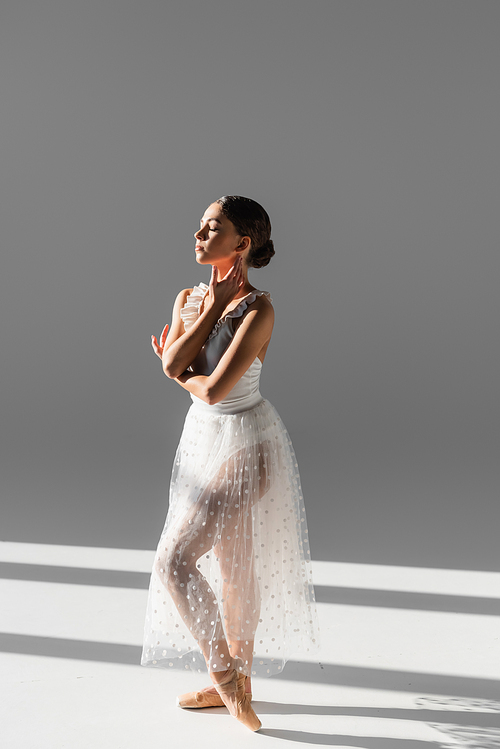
[198,247]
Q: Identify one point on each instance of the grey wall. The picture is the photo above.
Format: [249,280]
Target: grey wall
[369,131]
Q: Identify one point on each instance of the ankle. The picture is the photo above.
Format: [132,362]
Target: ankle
[213,690]
[218,676]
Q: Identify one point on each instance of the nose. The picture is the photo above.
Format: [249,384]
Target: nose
[198,234]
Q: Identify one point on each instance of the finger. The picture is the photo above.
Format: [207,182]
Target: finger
[213,279]
[228,274]
[163,336]
[155,346]
[234,268]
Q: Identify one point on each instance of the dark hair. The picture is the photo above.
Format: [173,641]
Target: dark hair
[250,220]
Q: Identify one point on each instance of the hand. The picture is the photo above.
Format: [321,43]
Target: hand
[222,292]
[158,347]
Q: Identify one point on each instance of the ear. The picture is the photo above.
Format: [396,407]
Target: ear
[244,244]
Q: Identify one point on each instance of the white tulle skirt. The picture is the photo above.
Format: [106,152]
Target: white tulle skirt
[231,584]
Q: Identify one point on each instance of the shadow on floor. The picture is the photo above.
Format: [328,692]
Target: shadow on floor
[360,742]
[478,719]
[316,673]
[483,734]
[393,599]
[453,737]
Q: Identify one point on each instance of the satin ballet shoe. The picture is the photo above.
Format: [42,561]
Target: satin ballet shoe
[199,699]
[232,693]
[202,699]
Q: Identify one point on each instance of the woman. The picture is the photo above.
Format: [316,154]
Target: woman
[232,576]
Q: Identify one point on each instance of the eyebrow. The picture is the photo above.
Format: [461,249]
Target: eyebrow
[212,218]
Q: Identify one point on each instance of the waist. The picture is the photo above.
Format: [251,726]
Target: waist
[229,405]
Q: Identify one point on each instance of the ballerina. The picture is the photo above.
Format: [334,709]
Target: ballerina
[231,577]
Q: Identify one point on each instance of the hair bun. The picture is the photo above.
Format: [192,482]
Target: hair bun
[261,256]
[250,220]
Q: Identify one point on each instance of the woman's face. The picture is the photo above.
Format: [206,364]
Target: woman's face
[216,239]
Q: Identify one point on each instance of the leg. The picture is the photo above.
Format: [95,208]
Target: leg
[175,564]
[221,518]
[241,594]
[235,552]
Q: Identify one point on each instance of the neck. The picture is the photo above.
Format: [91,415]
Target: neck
[222,269]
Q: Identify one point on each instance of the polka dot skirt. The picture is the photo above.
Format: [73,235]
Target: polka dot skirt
[231,584]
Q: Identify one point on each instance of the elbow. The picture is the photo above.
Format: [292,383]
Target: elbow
[171,369]
[170,372]
[211,396]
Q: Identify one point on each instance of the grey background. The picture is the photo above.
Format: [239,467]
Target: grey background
[369,131]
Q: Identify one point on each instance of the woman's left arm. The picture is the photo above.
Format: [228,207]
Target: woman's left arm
[250,338]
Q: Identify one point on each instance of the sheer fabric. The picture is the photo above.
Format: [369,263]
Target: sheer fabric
[231,579]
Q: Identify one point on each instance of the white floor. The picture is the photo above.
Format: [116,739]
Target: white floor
[410,660]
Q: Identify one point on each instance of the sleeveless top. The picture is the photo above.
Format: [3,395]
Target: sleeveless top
[245,394]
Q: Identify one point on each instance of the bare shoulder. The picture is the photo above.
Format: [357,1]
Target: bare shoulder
[180,301]
[260,312]
[264,305]
[182,296]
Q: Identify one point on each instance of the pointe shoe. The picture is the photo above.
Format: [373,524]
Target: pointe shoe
[199,699]
[202,699]
[232,693]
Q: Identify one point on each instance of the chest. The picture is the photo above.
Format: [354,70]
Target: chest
[214,347]
[233,322]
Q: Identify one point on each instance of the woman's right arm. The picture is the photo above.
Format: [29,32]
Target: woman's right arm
[181,347]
